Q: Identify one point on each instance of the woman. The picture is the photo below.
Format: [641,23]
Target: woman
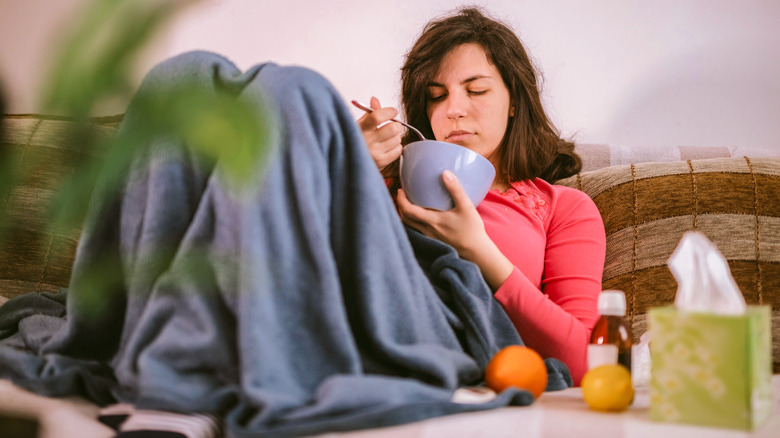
[540,247]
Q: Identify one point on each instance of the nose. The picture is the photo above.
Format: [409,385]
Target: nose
[456,106]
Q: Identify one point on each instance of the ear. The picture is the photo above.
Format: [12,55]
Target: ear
[512,111]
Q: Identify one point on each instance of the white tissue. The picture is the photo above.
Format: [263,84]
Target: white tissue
[704,281]
[640,361]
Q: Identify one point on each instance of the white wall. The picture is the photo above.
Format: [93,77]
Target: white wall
[634,73]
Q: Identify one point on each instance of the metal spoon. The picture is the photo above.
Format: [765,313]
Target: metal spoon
[369,110]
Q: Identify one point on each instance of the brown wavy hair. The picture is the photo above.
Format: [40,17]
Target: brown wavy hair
[532,147]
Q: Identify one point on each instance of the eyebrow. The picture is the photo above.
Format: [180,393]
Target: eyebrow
[466,81]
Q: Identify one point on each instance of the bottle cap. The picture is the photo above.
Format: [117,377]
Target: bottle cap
[612,302]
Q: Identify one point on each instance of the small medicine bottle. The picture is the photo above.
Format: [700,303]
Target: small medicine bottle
[611,339]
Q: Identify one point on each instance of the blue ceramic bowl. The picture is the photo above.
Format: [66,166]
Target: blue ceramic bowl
[422,163]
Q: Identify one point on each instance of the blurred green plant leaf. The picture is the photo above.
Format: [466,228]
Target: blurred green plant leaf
[96,64]
[217,127]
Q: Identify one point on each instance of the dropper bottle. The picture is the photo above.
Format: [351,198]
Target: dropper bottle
[611,339]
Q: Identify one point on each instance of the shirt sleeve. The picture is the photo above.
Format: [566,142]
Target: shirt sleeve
[557,320]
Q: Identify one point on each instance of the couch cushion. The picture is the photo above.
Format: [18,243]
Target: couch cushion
[34,257]
[647,207]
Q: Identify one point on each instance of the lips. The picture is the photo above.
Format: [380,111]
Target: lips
[458,135]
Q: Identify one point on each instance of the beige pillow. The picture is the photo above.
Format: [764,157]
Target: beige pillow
[647,207]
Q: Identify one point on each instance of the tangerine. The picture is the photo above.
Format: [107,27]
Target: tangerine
[517,366]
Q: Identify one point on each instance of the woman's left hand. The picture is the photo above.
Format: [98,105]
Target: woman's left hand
[462,228]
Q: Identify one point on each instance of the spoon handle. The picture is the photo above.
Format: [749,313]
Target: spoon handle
[369,110]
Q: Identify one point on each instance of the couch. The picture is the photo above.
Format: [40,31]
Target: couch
[647,199]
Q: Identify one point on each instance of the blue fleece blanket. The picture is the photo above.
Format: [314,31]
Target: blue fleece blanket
[312,309]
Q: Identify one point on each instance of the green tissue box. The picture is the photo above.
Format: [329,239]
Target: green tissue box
[711,370]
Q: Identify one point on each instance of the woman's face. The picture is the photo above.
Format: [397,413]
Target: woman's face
[468,102]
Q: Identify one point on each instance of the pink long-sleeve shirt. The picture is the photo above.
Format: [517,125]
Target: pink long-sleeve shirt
[554,236]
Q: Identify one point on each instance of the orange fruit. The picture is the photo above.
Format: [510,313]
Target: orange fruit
[517,366]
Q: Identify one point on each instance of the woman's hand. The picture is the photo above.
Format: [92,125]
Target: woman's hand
[383,139]
[462,228]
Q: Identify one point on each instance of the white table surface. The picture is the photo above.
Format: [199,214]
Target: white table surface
[565,414]
[555,414]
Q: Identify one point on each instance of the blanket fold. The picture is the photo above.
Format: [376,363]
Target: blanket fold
[298,307]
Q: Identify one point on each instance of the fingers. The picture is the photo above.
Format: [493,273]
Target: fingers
[374,103]
[420,214]
[386,132]
[378,117]
[384,141]
[432,217]
[461,227]
[384,154]
[382,137]
[411,214]
[404,205]
[459,195]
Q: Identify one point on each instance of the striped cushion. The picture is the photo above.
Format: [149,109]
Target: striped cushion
[45,150]
[647,207]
